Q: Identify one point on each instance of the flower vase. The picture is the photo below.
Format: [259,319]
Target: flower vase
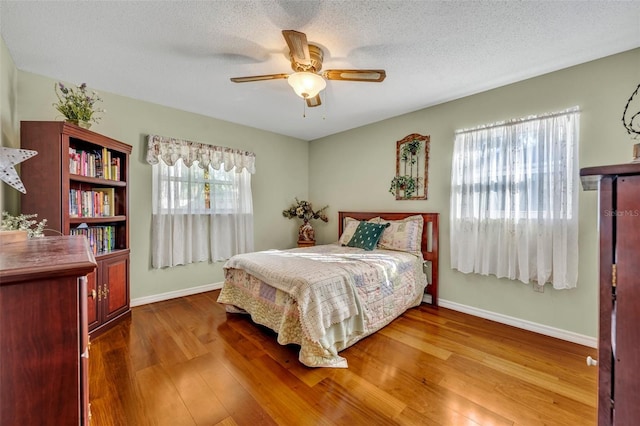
[80,123]
[306,232]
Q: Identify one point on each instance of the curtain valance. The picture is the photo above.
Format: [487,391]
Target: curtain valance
[172,149]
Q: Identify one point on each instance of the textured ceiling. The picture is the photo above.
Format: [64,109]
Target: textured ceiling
[182,53]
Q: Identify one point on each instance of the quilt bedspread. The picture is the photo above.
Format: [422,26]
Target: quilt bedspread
[324,298]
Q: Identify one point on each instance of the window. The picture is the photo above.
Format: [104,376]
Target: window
[514,199]
[196,190]
[202,204]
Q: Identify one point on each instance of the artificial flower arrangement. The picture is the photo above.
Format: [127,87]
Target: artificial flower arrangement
[77,104]
[23,222]
[304,210]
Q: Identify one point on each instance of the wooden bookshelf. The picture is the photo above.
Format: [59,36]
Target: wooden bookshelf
[66,184]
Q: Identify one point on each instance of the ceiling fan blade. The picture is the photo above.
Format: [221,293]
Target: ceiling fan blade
[298,46]
[314,102]
[374,76]
[258,78]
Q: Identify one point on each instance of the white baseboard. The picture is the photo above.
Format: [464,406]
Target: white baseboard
[503,319]
[175,294]
[523,324]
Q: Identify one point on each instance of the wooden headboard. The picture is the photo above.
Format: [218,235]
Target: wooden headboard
[429,240]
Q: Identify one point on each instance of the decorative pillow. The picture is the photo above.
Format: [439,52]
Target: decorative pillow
[403,235]
[367,235]
[349,228]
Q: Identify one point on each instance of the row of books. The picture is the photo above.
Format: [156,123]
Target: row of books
[99,202]
[102,239]
[94,163]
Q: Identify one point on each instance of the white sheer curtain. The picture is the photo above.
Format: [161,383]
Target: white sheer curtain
[514,200]
[202,204]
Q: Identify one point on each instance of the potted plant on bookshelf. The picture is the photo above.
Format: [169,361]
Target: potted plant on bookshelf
[77,105]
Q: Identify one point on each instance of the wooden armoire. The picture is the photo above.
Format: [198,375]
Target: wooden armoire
[619,332]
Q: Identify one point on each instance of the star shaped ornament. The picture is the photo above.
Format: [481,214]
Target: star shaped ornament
[9,157]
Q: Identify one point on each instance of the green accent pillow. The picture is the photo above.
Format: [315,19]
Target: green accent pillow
[367,235]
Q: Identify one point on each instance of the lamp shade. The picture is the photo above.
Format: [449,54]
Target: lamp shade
[306,84]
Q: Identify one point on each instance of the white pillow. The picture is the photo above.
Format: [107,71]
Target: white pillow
[349,228]
[403,235]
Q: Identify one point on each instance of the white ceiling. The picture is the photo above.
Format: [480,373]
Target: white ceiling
[182,53]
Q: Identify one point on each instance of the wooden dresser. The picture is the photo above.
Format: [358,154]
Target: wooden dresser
[44,331]
[619,335]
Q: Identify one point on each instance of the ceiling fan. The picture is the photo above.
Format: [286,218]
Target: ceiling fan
[306,62]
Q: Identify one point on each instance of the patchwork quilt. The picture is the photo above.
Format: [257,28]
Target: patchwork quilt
[323,298]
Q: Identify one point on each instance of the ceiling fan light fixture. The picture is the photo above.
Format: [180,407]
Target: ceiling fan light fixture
[306,84]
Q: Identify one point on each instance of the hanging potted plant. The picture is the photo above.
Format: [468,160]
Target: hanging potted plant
[409,151]
[405,184]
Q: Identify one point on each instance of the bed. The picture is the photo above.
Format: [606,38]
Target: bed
[326,298]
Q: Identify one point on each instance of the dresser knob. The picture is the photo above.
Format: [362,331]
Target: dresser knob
[591,362]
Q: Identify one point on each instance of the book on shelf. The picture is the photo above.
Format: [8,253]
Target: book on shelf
[107,206]
[115,168]
[83,162]
[74,161]
[73,203]
[102,239]
[99,202]
[99,163]
[106,158]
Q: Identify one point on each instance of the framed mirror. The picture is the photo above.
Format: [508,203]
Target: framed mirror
[412,166]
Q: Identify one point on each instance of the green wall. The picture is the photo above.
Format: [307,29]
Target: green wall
[9,123]
[281,174]
[352,171]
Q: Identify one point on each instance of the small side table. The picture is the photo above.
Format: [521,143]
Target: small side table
[303,243]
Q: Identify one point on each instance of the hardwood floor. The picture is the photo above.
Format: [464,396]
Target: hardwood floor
[187,362]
